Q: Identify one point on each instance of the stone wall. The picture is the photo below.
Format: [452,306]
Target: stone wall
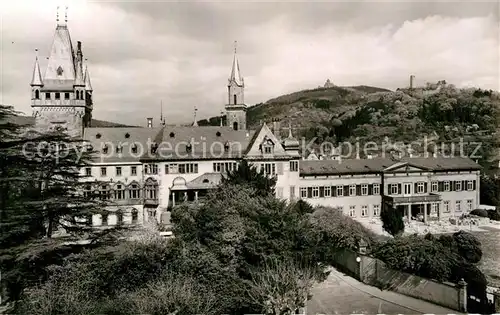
[375,272]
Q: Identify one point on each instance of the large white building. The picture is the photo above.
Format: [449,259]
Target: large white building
[147,171]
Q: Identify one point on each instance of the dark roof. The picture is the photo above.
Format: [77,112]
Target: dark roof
[207,142]
[378,165]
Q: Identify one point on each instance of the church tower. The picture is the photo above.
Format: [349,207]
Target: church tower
[236,110]
[62,100]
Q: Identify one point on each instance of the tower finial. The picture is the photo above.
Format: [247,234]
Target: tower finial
[235,45]
[57,15]
[195,123]
[221,118]
[36,53]
[66,15]
[290,130]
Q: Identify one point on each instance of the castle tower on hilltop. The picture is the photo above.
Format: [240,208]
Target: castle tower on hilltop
[62,100]
[236,110]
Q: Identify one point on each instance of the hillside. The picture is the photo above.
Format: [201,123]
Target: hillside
[440,112]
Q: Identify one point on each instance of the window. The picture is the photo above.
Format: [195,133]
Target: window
[279,192]
[458,204]
[303,192]
[135,216]
[352,211]
[469,205]
[364,189]
[446,206]
[434,186]
[104,192]
[103,171]
[133,191]
[364,211]
[420,188]
[119,192]
[105,149]
[47,96]
[37,94]
[328,191]
[133,170]
[57,95]
[294,166]
[292,192]
[119,149]
[118,171]
[235,99]
[173,168]
[376,189]
[151,169]
[340,191]
[458,185]
[268,150]
[470,185]
[376,210]
[88,171]
[66,96]
[352,190]
[87,191]
[446,185]
[151,190]
[269,168]
[315,192]
[434,208]
[188,168]
[134,148]
[394,189]
[119,217]
[104,219]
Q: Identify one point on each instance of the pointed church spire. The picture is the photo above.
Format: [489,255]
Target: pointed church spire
[195,123]
[37,76]
[235,71]
[88,85]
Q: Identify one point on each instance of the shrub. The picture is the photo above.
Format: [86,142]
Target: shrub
[392,221]
[464,244]
[494,215]
[480,213]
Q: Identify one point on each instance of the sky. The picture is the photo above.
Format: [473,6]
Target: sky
[141,54]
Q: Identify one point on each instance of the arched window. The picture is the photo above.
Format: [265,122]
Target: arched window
[37,94]
[235,99]
[104,192]
[235,126]
[151,189]
[135,216]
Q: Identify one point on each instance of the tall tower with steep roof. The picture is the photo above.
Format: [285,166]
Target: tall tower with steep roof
[62,100]
[236,110]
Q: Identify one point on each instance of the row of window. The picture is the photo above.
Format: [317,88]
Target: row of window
[118,171]
[224,167]
[58,95]
[364,211]
[122,192]
[119,218]
[436,186]
[458,205]
[340,191]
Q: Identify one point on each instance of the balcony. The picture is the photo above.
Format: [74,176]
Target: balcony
[415,199]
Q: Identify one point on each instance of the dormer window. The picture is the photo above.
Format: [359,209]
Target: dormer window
[154,147]
[60,71]
[119,149]
[226,146]
[189,147]
[105,149]
[267,146]
[268,149]
[134,148]
[89,148]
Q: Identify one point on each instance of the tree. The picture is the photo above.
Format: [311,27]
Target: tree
[247,174]
[392,221]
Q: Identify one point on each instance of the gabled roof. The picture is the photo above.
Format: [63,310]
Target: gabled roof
[61,66]
[205,181]
[206,143]
[262,135]
[380,165]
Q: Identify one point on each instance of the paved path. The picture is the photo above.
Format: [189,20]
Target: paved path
[341,294]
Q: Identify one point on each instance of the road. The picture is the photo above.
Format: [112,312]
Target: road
[341,294]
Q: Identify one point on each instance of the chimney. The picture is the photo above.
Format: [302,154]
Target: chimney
[150,122]
[412,79]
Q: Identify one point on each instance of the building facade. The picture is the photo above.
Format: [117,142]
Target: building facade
[144,172]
